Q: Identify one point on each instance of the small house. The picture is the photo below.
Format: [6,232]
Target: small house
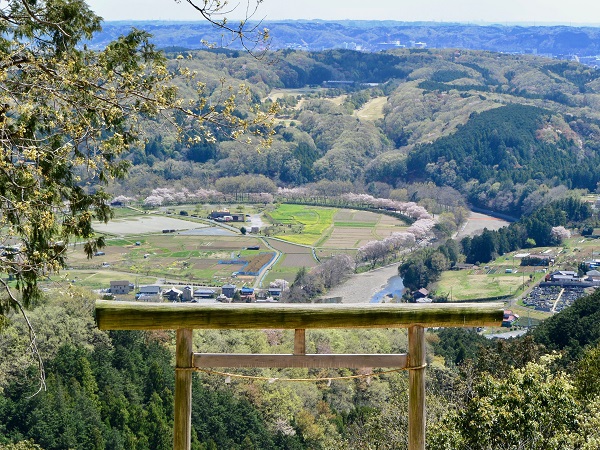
[187,294]
[564,275]
[228,290]
[225,216]
[204,293]
[274,292]
[173,295]
[247,294]
[149,294]
[421,293]
[120,287]
[593,276]
[509,319]
[222,298]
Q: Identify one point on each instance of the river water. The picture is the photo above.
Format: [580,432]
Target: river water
[394,287]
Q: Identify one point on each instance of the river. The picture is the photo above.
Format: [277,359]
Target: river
[393,288]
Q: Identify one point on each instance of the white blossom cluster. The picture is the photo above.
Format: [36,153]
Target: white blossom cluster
[410,209]
[560,233]
[123,199]
[260,197]
[296,193]
[421,228]
[376,250]
[164,196]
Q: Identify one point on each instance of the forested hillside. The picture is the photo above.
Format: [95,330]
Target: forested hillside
[114,390]
[507,131]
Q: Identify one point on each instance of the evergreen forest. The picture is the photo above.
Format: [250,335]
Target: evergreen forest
[114,390]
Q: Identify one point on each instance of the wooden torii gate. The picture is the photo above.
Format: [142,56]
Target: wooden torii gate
[185,317]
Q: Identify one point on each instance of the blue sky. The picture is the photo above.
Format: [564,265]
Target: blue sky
[506,11]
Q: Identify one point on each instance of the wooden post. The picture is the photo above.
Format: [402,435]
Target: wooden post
[182,433]
[299,342]
[416,388]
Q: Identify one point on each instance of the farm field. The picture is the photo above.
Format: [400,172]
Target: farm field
[579,248]
[465,285]
[207,260]
[477,222]
[200,253]
[101,279]
[372,110]
[311,222]
[296,256]
[141,224]
[332,228]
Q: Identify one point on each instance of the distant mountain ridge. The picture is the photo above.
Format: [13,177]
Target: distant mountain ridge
[557,41]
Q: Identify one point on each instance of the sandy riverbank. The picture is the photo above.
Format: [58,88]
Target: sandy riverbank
[361,287]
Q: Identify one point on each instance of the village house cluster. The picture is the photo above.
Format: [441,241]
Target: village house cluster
[227,293]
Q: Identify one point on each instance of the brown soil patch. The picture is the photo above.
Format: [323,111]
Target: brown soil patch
[258,262]
[366,216]
[348,237]
[299,260]
[288,248]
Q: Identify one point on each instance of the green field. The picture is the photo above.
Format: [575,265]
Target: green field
[194,257]
[333,228]
[466,285]
[314,222]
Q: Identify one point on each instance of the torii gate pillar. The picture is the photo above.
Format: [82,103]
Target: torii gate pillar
[182,433]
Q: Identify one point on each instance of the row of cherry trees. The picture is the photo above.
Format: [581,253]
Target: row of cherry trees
[172,196]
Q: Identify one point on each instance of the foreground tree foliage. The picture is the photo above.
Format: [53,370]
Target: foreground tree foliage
[66,115]
[531,408]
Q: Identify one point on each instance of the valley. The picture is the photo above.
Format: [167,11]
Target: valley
[351,162]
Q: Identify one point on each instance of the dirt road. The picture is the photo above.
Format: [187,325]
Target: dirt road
[361,287]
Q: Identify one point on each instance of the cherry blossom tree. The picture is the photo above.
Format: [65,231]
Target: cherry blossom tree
[559,234]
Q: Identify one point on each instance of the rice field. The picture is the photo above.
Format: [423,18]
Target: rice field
[332,228]
[131,225]
[293,255]
[197,259]
[349,237]
[193,252]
